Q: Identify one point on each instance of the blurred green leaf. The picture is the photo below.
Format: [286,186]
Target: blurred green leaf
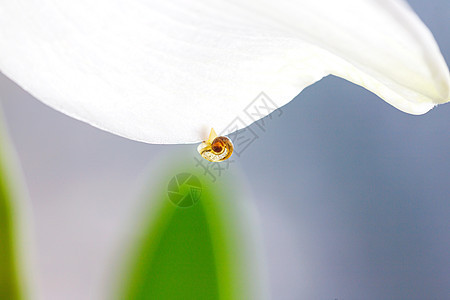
[11,285]
[189,251]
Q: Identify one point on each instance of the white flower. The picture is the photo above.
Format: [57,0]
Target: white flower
[168,71]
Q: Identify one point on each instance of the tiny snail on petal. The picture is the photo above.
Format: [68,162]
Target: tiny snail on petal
[215,148]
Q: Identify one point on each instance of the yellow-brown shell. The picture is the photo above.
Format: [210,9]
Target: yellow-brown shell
[216,148]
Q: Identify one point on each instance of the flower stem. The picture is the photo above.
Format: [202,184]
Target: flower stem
[11,282]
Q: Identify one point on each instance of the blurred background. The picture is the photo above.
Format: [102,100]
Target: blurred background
[352,195]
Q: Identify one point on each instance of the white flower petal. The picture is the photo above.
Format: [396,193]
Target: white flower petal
[168,71]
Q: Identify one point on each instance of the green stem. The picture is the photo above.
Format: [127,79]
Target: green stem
[11,283]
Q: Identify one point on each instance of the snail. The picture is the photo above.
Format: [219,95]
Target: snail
[216,148]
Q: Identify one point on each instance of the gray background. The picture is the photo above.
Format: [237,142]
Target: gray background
[352,194]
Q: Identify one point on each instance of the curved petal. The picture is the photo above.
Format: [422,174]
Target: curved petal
[168,71]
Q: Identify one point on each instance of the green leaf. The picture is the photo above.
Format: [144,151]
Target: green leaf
[193,246]
[11,281]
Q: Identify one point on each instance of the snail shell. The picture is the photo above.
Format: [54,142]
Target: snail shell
[216,148]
